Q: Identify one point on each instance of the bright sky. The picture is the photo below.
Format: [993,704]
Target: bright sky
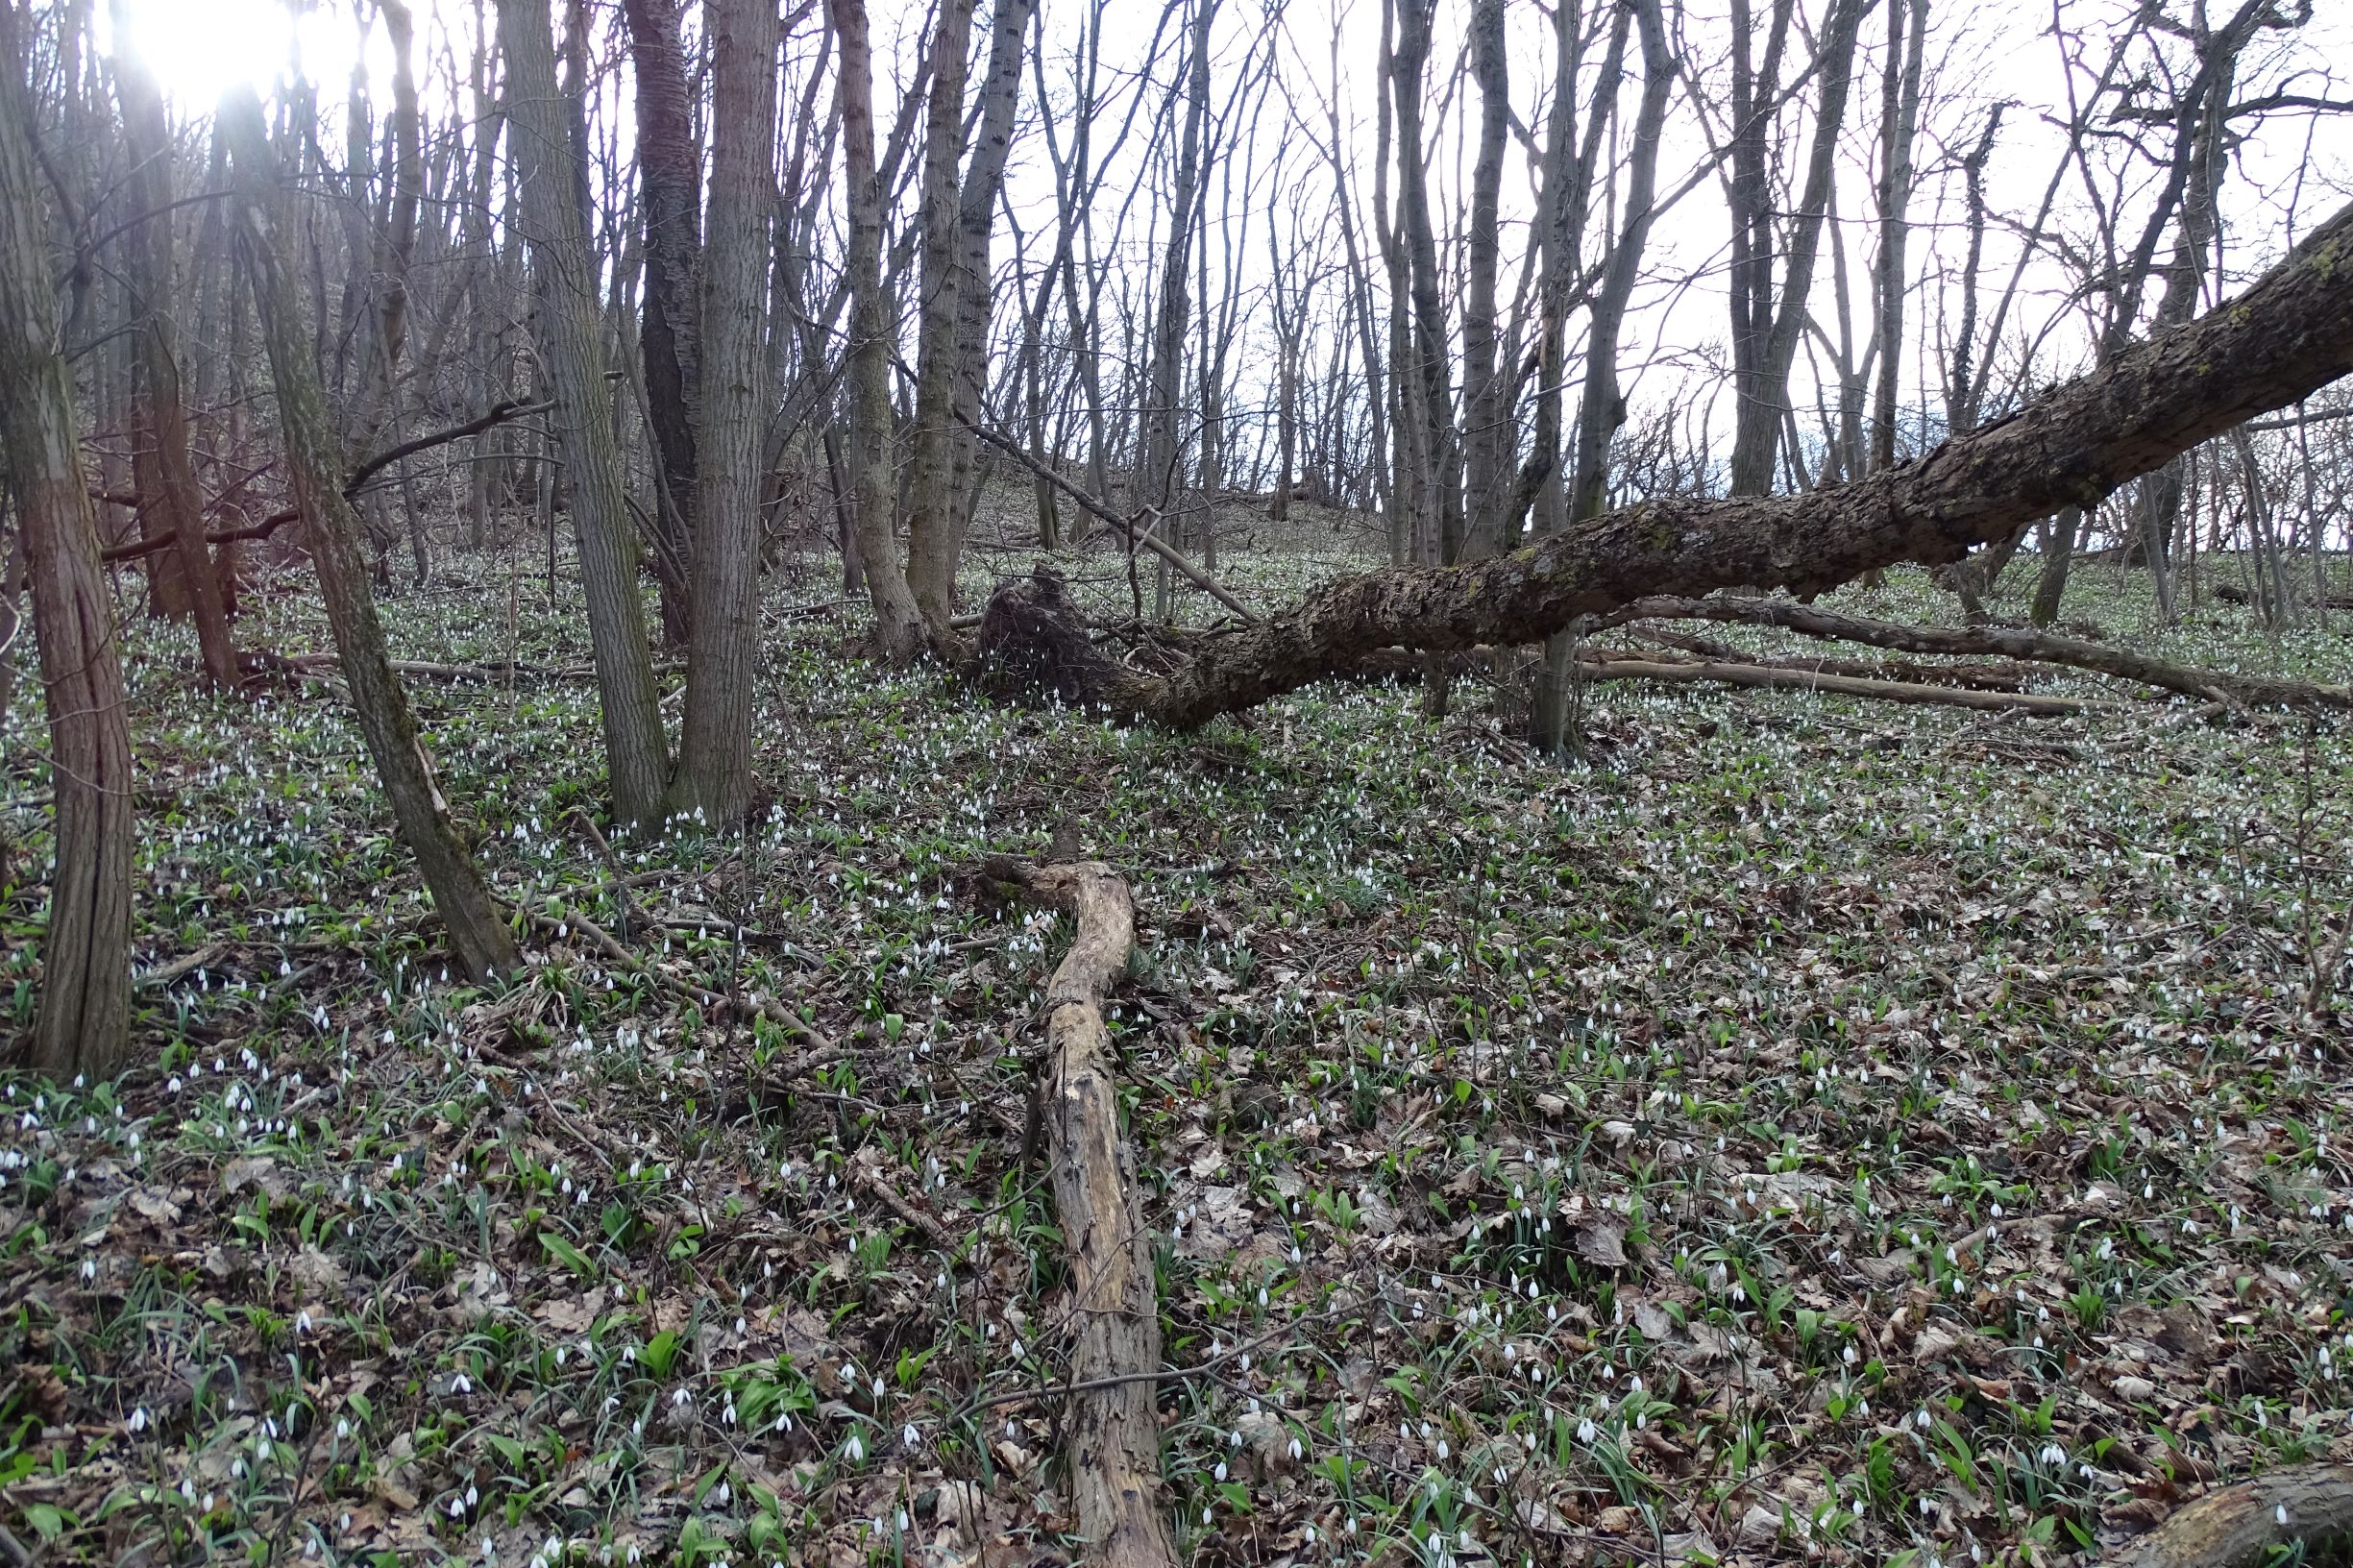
[201,48]
[2289,171]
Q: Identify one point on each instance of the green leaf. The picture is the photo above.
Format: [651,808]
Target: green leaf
[566,1254]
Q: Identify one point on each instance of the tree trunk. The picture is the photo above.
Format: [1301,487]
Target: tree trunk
[1899,114]
[1000,95]
[898,625]
[1763,404]
[82,1025]
[564,280]
[713,778]
[1490,438]
[670,185]
[1162,479]
[173,500]
[933,499]
[1600,406]
[2287,335]
[1441,453]
[477,925]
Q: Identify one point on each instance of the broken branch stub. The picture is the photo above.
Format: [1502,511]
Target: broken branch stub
[1114,1427]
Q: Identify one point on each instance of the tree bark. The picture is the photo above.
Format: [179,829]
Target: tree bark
[713,778]
[933,500]
[1900,116]
[1600,408]
[174,498]
[564,280]
[2244,1526]
[1763,402]
[898,625]
[976,201]
[1490,436]
[2290,332]
[670,185]
[477,925]
[81,1024]
[1440,458]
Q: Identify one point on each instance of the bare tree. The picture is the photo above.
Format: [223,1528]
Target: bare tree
[564,287]
[477,926]
[174,498]
[713,778]
[932,497]
[82,1023]
[670,188]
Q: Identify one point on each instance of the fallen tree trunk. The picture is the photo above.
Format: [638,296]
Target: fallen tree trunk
[1998,641]
[2289,334]
[1772,677]
[2242,1526]
[1114,1431]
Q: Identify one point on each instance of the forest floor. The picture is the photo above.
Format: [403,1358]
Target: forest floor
[1802,1129]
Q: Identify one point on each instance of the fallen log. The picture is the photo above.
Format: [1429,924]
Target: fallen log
[1113,1428]
[2244,1526]
[2288,335]
[1772,678]
[2006,642]
[2230,592]
[2010,675]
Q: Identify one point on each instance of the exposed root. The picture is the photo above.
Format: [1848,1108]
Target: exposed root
[1033,642]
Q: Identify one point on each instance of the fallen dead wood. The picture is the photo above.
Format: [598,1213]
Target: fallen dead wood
[2000,642]
[2286,336]
[1775,677]
[1114,1429]
[2244,1526]
[1983,675]
[2230,592]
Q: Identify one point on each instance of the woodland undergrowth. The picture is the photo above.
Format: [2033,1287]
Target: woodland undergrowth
[1796,1130]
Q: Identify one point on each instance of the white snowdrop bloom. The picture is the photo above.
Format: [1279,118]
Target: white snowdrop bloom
[855,1448]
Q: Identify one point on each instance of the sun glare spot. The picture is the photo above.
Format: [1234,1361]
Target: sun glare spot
[199,49]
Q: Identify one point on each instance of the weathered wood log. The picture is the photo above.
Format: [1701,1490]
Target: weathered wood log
[1114,1434]
[2239,1527]
[2289,334]
[2011,641]
[1985,675]
[1772,677]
